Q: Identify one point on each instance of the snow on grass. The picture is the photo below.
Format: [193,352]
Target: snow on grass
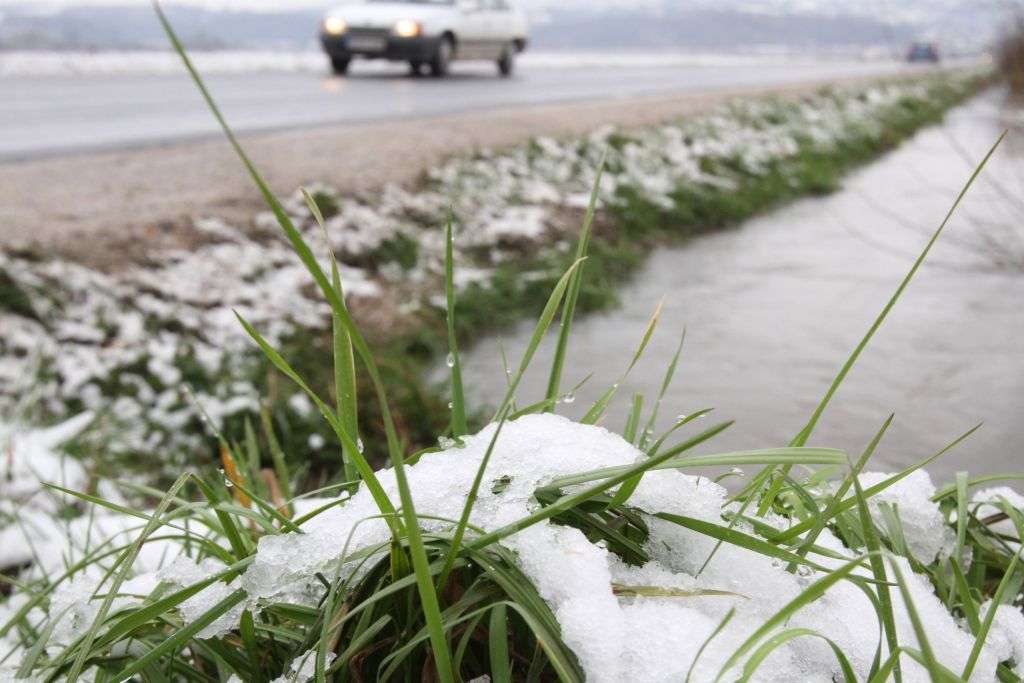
[131,340]
[616,635]
[1006,639]
[34,526]
[923,525]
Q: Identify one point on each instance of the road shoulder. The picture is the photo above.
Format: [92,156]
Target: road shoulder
[111,207]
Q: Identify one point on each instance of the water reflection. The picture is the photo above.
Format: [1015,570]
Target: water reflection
[773,309]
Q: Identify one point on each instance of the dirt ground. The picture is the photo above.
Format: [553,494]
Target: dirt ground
[111,207]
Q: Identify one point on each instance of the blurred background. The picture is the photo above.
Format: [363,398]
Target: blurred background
[86,74]
[855,28]
[107,154]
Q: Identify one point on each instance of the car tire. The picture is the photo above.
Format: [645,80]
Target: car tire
[339,65]
[507,62]
[441,62]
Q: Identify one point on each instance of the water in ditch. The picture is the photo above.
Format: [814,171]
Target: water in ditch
[773,308]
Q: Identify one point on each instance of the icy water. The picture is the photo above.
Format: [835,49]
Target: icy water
[773,308]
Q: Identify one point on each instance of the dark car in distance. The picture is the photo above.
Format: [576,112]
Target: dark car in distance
[923,53]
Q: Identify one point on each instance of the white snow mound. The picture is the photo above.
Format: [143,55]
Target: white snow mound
[620,638]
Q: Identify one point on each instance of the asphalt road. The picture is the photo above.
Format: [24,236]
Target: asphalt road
[56,115]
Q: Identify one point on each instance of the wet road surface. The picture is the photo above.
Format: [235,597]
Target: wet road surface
[59,114]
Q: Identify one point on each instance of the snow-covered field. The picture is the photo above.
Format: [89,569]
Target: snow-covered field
[127,345]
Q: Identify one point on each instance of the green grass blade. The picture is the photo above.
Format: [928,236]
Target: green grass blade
[780,639]
[666,382]
[808,429]
[962,516]
[930,663]
[239,544]
[538,335]
[33,654]
[599,407]
[497,639]
[874,547]
[676,426]
[633,419]
[126,562]
[428,597]
[835,500]
[883,673]
[180,637]
[569,309]
[970,610]
[460,425]
[986,624]
[798,529]
[951,489]
[894,529]
[668,461]
[309,260]
[812,593]
[346,396]
[345,385]
[364,639]
[139,618]
[277,456]
[739,539]
[372,483]
[805,433]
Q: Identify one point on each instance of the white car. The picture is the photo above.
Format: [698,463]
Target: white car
[425,33]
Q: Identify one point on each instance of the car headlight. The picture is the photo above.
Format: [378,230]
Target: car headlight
[406,28]
[335,26]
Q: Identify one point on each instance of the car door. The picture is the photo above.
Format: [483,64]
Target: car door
[474,33]
[499,26]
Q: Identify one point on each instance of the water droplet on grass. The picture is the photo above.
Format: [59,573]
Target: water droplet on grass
[450,360]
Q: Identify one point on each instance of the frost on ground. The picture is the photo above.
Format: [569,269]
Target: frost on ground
[35,527]
[615,638]
[76,339]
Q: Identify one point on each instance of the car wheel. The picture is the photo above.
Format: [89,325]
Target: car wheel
[339,65]
[442,60]
[507,62]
